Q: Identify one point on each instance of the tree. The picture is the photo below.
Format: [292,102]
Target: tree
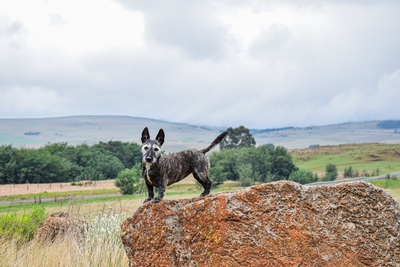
[60,162]
[237,138]
[331,172]
[247,175]
[128,153]
[217,175]
[130,181]
[303,177]
[263,164]
[282,164]
[348,172]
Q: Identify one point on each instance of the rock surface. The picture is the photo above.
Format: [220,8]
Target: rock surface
[61,224]
[276,224]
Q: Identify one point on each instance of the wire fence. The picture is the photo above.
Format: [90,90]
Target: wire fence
[363,178]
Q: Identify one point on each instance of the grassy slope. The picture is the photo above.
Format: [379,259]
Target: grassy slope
[362,157]
[92,129]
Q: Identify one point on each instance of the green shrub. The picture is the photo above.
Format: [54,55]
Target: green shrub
[23,226]
[130,181]
[331,172]
[303,176]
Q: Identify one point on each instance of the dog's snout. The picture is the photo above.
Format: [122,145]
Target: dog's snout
[149,159]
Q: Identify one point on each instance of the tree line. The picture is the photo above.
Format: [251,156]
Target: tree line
[239,159]
[60,162]
[389,124]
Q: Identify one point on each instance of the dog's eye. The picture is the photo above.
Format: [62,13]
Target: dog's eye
[146,148]
[156,149]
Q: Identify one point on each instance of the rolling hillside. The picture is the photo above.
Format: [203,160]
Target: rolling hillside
[92,129]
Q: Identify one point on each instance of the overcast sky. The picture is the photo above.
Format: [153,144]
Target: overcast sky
[260,64]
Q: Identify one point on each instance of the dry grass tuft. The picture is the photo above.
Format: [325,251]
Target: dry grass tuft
[101,247]
[63,252]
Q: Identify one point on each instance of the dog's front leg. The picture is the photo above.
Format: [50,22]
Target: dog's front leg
[161,190]
[150,190]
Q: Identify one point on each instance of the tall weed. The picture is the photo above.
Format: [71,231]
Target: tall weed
[22,226]
[101,247]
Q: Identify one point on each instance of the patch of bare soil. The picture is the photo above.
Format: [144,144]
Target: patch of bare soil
[23,189]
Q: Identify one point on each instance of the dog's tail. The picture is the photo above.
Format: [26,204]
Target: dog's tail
[214,143]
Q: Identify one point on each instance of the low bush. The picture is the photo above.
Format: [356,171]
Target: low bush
[22,226]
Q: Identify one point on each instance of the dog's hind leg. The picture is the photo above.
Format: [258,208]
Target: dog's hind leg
[203,179]
[207,187]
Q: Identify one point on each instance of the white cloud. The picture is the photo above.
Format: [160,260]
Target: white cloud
[30,101]
[258,64]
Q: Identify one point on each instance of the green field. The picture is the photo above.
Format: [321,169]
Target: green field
[79,200]
[362,157]
[107,250]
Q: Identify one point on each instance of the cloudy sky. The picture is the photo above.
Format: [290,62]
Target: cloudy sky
[260,64]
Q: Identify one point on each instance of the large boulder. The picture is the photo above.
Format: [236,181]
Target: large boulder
[276,224]
[61,224]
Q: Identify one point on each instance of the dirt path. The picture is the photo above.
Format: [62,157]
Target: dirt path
[23,189]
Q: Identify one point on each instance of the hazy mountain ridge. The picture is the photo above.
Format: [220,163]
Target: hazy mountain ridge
[93,129]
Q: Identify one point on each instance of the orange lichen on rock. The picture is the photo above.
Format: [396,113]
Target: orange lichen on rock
[276,224]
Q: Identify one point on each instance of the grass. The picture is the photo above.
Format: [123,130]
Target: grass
[366,158]
[103,245]
[56,195]
[108,212]
[79,200]
[362,157]
[390,186]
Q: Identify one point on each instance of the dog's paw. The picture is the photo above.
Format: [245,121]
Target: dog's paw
[157,200]
[148,199]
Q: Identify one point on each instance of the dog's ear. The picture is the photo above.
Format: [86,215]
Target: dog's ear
[145,135]
[160,137]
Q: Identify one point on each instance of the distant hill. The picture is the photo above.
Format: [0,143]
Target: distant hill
[179,136]
[93,129]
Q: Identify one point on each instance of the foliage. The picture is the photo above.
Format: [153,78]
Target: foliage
[237,138]
[366,158]
[246,175]
[331,172]
[348,172]
[218,175]
[130,181]
[259,131]
[105,228]
[22,226]
[60,162]
[388,183]
[248,165]
[102,247]
[390,124]
[303,176]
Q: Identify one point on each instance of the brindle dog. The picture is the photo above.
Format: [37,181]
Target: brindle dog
[161,170]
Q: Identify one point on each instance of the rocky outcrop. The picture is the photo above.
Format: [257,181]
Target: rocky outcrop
[276,224]
[61,224]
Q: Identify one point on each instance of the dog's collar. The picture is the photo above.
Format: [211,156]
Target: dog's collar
[149,179]
[147,173]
